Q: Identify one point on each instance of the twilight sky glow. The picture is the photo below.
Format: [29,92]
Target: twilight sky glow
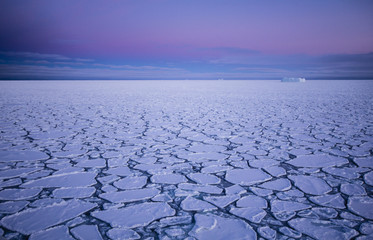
[194,39]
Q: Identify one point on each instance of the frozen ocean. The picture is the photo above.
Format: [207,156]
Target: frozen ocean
[186,160]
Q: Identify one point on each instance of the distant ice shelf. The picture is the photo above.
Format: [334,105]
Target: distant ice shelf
[286,79]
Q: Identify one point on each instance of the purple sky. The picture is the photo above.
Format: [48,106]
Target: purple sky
[170,39]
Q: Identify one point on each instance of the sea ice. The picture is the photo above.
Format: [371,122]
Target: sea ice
[69,153]
[252,214]
[79,192]
[122,234]
[61,232]
[290,232]
[130,195]
[186,160]
[317,161]
[353,189]
[366,228]
[120,171]
[198,148]
[246,177]
[221,201]
[320,229]
[140,214]
[263,163]
[202,178]
[18,194]
[311,185]
[83,232]
[168,178]
[74,179]
[200,188]
[36,219]
[252,201]
[211,226]
[325,212]
[331,200]
[362,206]
[261,191]
[349,173]
[17,156]
[92,163]
[275,171]
[278,206]
[12,207]
[175,220]
[267,232]
[215,169]
[368,178]
[11,173]
[235,189]
[364,162]
[193,204]
[131,182]
[10,182]
[350,216]
[280,184]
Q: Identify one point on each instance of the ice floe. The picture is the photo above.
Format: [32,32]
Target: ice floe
[83,232]
[317,161]
[287,206]
[221,201]
[12,207]
[130,195]
[320,229]
[140,214]
[252,201]
[211,226]
[193,204]
[202,178]
[362,206]
[78,192]
[280,184]
[122,234]
[131,182]
[254,215]
[330,200]
[168,178]
[311,185]
[18,194]
[36,219]
[19,156]
[246,177]
[18,172]
[74,179]
[61,232]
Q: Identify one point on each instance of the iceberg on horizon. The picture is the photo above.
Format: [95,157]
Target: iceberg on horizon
[292,79]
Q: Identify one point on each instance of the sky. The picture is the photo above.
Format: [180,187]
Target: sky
[179,39]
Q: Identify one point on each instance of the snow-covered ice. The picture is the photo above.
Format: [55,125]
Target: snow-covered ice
[83,232]
[323,230]
[36,219]
[186,160]
[310,184]
[211,226]
[135,215]
[247,177]
[130,195]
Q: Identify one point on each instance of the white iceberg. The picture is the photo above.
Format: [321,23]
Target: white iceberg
[287,79]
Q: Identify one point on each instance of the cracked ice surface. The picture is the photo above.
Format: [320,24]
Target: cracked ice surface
[186,160]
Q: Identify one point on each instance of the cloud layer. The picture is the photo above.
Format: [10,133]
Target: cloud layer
[230,66]
[169,39]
